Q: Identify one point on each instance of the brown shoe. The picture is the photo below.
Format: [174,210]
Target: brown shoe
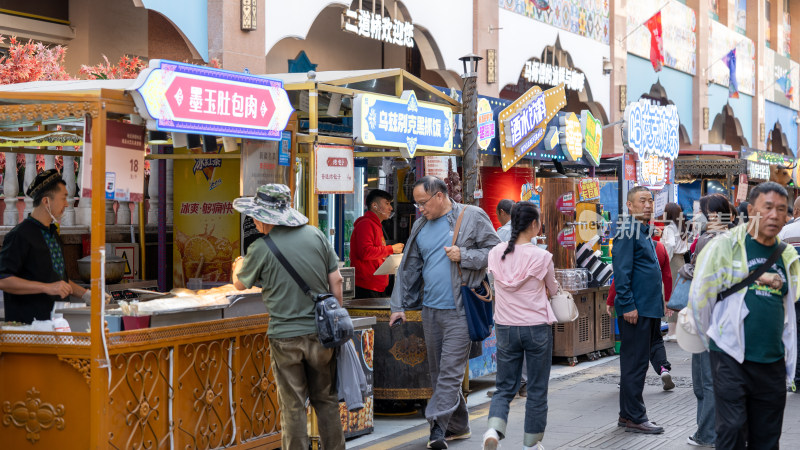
[622,422]
[644,427]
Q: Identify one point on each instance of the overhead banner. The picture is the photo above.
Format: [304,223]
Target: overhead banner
[523,123]
[124,162]
[206,235]
[185,98]
[404,122]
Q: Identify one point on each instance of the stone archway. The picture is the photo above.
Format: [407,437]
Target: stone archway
[166,41]
[777,141]
[332,49]
[659,95]
[577,100]
[726,129]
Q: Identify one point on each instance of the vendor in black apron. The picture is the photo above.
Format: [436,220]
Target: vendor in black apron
[32,270]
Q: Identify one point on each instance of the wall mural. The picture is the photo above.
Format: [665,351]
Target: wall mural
[587,18]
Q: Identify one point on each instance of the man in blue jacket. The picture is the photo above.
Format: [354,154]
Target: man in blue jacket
[640,303]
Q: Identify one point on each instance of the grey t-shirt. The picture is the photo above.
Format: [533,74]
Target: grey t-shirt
[291,311]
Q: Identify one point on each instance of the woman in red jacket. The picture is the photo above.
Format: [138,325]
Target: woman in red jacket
[368,249]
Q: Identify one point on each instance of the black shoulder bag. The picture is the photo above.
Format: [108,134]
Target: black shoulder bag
[334,326]
[754,274]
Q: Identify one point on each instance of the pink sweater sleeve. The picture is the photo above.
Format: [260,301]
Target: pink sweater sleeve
[550,279]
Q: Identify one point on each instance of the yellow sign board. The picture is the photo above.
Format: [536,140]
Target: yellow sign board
[523,123]
[592,137]
[573,139]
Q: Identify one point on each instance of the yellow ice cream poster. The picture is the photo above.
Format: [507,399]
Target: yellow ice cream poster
[206,227]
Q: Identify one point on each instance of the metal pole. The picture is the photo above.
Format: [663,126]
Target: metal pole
[469,137]
[162,224]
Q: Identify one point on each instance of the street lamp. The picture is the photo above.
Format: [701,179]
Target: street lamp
[471,59]
[469,127]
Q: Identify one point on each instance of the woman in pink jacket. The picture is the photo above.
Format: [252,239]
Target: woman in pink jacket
[523,275]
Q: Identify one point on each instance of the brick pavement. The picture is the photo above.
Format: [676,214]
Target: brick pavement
[583,410]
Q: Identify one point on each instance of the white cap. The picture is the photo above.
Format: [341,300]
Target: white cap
[686,331]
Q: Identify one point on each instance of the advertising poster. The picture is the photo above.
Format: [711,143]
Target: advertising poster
[206,228]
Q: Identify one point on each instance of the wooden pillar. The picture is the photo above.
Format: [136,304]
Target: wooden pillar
[98,437]
[554,221]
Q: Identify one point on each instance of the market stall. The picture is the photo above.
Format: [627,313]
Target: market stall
[201,384]
[171,367]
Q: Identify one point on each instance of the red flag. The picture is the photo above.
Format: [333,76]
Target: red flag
[656,41]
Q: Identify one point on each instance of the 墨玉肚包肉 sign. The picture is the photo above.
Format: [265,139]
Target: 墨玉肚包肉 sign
[185,98]
[404,122]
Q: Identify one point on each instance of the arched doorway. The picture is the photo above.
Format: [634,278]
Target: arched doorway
[165,40]
[554,56]
[330,48]
[726,129]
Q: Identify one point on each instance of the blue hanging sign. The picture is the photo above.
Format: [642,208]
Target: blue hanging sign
[383,121]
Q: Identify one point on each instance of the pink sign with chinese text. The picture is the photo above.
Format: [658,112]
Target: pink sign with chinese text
[185,98]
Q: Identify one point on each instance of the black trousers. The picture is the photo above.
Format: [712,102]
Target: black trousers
[797,368]
[369,293]
[640,343]
[750,399]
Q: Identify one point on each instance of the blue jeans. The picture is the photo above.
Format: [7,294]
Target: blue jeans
[703,386]
[534,344]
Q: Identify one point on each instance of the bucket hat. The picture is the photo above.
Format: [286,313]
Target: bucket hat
[271,205]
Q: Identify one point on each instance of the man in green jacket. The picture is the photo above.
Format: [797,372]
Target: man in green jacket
[751,334]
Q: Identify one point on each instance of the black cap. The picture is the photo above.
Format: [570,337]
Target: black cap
[43,182]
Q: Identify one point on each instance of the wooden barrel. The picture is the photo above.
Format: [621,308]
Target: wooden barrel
[401,358]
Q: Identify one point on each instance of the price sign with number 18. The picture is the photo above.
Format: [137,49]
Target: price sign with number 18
[124,162]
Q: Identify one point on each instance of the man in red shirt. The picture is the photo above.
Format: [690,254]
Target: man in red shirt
[368,249]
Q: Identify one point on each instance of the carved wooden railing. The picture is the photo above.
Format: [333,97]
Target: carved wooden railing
[203,385]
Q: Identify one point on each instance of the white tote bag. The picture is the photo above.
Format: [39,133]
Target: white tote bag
[564,306]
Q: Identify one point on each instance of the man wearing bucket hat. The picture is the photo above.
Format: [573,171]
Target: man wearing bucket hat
[32,271]
[751,332]
[302,366]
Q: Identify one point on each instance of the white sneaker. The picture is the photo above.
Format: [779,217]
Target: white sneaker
[491,440]
[666,379]
[670,338]
[538,446]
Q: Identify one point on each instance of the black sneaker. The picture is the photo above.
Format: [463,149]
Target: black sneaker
[437,440]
